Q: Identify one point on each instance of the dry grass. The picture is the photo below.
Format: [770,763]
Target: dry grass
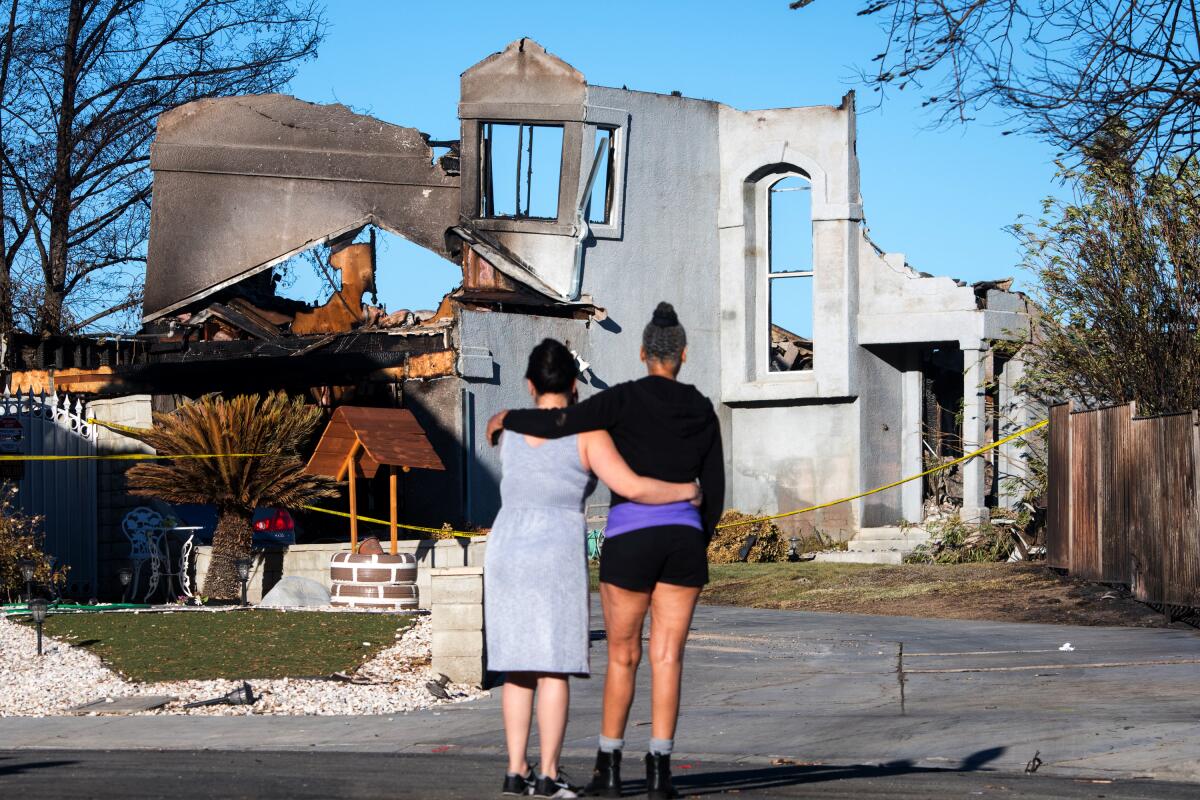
[1003,592]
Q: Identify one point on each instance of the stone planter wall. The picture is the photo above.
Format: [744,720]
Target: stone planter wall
[457,616]
[312,561]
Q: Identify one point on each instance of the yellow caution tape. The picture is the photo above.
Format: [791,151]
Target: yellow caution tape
[893,484]
[398,525]
[122,428]
[818,507]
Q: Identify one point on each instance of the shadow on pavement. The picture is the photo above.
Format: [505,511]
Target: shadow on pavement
[786,775]
[21,768]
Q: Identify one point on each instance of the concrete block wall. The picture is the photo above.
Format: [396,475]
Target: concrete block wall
[312,561]
[457,616]
[113,502]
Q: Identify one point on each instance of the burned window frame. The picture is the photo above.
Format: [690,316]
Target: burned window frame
[609,175]
[485,208]
[617,122]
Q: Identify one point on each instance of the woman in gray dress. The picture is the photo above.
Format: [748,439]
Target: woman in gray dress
[535,570]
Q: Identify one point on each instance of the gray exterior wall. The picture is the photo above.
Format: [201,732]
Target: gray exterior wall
[508,338]
[668,248]
[433,497]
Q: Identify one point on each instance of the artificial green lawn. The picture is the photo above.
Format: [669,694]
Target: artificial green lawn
[196,645]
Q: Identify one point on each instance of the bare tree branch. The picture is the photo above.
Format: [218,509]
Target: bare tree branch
[1062,69]
[75,131]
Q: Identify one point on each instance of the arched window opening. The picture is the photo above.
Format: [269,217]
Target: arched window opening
[789,275]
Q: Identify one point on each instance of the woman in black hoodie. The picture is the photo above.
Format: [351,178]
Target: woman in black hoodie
[654,557]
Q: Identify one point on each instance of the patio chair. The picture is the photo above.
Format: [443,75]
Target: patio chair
[141,526]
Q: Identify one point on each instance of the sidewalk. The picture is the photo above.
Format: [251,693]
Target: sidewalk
[828,688]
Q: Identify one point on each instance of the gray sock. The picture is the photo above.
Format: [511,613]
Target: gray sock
[661,747]
[608,745]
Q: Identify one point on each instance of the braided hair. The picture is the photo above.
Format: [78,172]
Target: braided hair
[664,338]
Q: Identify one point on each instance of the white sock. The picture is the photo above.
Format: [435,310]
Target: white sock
[608,745]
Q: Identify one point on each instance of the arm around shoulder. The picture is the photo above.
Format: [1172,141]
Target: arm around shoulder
[597,413]
[600,455]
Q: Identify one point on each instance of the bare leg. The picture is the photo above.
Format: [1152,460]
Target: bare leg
[671,610]
[516,706]
[624,614]
[553,701]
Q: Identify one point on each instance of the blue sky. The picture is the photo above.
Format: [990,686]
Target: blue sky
[941,196]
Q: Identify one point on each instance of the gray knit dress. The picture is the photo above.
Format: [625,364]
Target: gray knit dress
[535,572]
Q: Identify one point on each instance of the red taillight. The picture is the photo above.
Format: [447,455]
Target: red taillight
[278,522]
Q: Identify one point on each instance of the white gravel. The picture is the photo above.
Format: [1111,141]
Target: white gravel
[68,676]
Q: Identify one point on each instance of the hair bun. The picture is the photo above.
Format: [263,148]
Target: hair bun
[665,316]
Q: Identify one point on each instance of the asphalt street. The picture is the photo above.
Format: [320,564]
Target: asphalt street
[194,775]
[775,704]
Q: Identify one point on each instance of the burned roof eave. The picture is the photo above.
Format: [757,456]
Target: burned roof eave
[243,183]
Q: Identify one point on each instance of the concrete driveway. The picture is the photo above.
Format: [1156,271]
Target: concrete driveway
[807,690]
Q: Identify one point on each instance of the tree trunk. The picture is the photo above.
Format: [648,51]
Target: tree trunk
[231,541]
[6,294]
[55,271]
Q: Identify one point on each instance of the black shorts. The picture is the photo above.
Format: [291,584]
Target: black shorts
[675,554]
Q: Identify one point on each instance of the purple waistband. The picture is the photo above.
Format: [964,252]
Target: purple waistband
[626,517]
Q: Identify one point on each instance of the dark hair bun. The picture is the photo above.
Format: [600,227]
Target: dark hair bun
[664,316]
[552,368]
[664,338]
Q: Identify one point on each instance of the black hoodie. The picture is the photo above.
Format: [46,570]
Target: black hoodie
[662,428]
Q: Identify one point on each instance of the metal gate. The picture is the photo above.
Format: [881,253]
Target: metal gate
[63,492]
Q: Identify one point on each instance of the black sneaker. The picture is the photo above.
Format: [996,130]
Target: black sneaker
[555,787]
[519,785]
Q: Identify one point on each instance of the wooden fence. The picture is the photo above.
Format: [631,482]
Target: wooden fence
[1123,502]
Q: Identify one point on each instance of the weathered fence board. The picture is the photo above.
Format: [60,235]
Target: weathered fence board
[1085,496]
[1124,501]
[1113,501]
[1058,493]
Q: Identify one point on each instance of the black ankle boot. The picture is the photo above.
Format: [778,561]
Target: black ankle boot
[658,778]
[606,775]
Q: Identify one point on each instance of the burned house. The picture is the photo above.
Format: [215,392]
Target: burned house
[571,210]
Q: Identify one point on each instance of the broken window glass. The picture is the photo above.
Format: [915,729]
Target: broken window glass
[521,168]
[790,276]
[600,201]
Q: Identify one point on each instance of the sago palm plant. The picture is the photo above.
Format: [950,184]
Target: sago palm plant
[273,428]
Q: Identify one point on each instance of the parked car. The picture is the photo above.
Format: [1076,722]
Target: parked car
[271,526]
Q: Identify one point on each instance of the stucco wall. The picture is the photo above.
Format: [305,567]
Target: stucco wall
[508,338]
[787,457]
[669,248]
[881,426]
[433,497]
